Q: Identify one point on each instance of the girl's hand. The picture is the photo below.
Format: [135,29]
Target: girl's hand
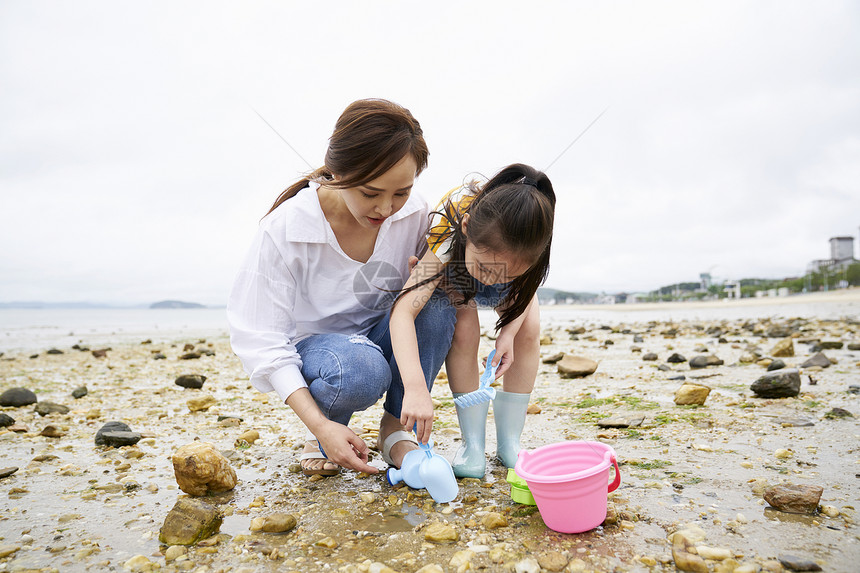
[504,354]
[417,412]
[343,447]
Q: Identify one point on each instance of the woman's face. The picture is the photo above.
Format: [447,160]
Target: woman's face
[380,198]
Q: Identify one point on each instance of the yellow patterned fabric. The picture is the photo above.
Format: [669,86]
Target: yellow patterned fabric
[455,201]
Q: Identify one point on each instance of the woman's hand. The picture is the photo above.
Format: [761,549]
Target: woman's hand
[343,447]
[417,412]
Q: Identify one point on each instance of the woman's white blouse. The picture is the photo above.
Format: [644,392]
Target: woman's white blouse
[296,281]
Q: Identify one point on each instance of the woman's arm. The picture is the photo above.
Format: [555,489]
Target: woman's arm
[417,407]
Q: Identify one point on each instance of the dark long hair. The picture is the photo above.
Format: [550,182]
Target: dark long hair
[512,212]
[369,138]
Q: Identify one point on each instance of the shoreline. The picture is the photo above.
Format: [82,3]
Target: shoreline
[849,295]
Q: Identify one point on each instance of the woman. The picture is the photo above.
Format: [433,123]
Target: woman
[308,312]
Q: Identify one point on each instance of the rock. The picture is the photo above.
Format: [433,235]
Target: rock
[174,551]
[110,427]
[831,344]
[576,366]
[778,384]
[552,561]
[638,339]
[620,422]
[714,553]
[201,469]
[783,349]
[6,420]
[248,437]
[52,432]
[431,568]
[118,439]
[494,520]
[189,521]
[552,359]
[778,331]
[683,552]
[533,409]
[705,360]
[776,365]
[190,381]
[440,533]
[818,359]
[274,523]
[676,358]
[854,346]
[100,353]
[45,408]
[797,563]
[17,397]
[201,404]
[79,392]
[7,550]
[190,356]
[461,558]
[545,340]
[6,472]
[792,498]
[54,351]
[140,563]
[649,357]
[837,413]
[527,565]
[690,393]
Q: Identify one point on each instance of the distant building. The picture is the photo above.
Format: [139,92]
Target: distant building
[706,280]
[841,255]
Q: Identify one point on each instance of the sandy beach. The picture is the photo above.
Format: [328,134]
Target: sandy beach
[702,470]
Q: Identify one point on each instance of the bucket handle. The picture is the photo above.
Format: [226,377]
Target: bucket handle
[617,481]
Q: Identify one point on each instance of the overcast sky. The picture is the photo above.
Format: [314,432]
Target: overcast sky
[134,166]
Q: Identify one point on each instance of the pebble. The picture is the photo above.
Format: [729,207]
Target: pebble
[7,550]
[494,520]
[783,383]
[174,551]
[6,420]
[274,523]
[79,392]
[189,521]
[527,565]
[690,393]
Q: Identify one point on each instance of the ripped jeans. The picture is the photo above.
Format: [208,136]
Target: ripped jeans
[349,373]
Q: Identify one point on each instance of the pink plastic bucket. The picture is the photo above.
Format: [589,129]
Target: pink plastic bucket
[570,483]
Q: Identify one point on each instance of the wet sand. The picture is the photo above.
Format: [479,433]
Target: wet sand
[74,506]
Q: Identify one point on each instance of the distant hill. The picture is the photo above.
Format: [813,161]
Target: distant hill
[37,304]
[175,304]
[555,296]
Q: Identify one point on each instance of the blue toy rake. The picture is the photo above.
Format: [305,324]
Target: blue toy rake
[484,393]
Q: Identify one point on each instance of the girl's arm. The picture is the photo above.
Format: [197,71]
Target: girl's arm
[417,406]
[505,340]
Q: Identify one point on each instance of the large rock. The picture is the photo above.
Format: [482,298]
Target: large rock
[783,349]
[691,394]
[818,359]
[576,366]
[794,498]
[201,469]
[778,384]
[190,521]
[17,397]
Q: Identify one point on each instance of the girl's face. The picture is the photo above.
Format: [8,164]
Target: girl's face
[380,198]
[491,267]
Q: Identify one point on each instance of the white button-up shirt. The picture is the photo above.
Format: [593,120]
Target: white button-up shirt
[296,281]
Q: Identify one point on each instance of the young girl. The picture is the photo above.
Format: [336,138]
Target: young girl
[489,246]
[308,309]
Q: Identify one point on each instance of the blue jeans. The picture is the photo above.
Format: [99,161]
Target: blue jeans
[347,373]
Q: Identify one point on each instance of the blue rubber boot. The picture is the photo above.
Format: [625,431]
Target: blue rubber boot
[509,411]
[470,460]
